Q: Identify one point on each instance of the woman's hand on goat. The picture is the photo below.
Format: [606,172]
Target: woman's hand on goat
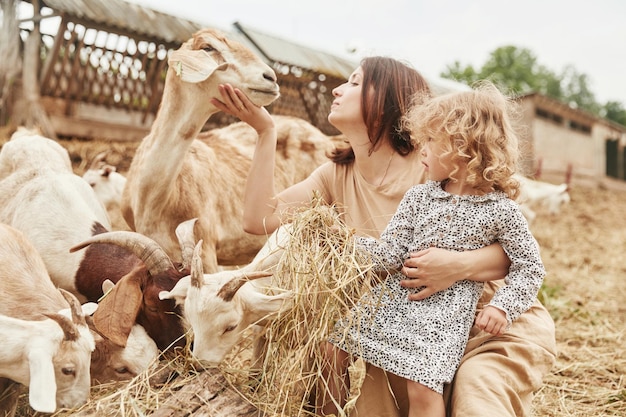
[236,103]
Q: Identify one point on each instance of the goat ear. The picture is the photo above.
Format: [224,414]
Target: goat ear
[179,292]
[89,308]
[193,66]
[262,306]
[42,388]
[107,285]
[117,312]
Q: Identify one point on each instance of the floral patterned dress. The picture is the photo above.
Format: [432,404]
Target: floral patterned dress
[424,340]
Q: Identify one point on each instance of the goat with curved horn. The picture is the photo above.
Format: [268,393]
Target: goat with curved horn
[135,296]
[221,305]
[146,249]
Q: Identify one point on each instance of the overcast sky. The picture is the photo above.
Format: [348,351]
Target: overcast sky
[590,36]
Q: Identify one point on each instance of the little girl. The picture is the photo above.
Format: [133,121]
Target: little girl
[470,153]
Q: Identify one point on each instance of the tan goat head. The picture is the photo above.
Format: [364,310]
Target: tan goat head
[209,51]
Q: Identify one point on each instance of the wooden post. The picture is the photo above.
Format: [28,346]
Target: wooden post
[28,110]
[10,64]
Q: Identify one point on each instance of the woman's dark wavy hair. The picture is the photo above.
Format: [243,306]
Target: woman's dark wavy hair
[388,91]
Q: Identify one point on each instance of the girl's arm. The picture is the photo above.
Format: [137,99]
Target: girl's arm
[264,211]
[527,271]
[437,269]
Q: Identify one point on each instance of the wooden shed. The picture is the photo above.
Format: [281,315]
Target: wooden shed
[103,67]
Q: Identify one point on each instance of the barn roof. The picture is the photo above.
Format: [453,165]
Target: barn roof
[133,19]
[128,18]
[278,49]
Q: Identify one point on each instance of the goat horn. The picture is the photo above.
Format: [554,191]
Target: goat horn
[228,290]
[75,307]
[197,271]
[69,329]
[187,240]
[146,249]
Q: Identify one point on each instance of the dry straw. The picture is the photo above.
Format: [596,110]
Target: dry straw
[327,275]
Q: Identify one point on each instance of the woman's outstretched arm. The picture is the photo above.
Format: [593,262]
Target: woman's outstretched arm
[264,210]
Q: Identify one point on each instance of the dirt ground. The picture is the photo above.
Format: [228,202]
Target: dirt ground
[584,250]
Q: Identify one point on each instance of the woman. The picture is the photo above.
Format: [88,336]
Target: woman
[497,375]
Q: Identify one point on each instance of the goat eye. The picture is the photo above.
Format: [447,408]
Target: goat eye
[68,371]
[230,328]
[208,49]
[122,370]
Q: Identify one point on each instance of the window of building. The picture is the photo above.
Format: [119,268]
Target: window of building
[545,114]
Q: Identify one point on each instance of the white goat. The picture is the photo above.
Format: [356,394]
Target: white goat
[539,194]
[178,174]
[29,352]
[220,306]
[53,356]
[108,185]
[55,209]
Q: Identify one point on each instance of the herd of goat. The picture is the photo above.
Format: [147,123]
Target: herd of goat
[101,273]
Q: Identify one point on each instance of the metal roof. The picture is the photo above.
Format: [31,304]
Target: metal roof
[128,17]
[281,50]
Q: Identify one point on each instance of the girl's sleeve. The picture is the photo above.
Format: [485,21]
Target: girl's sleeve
[390,251]
[526,272]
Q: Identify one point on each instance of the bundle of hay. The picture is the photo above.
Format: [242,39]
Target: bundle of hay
[327,275]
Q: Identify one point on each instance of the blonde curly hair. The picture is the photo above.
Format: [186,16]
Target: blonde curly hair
[476,128]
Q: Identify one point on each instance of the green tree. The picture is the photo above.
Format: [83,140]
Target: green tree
[615,111]
[465,75]
[517,71]
[576,90]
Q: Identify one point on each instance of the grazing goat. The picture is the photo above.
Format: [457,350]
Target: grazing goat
[534,194]
[41,348]
[220,306]
[30,351]
[178,173]
[136,295]
[56,209]
[108,185]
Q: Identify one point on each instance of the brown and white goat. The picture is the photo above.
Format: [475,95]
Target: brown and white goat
[56,209]
[41,348]
[136,294]
[178,173]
